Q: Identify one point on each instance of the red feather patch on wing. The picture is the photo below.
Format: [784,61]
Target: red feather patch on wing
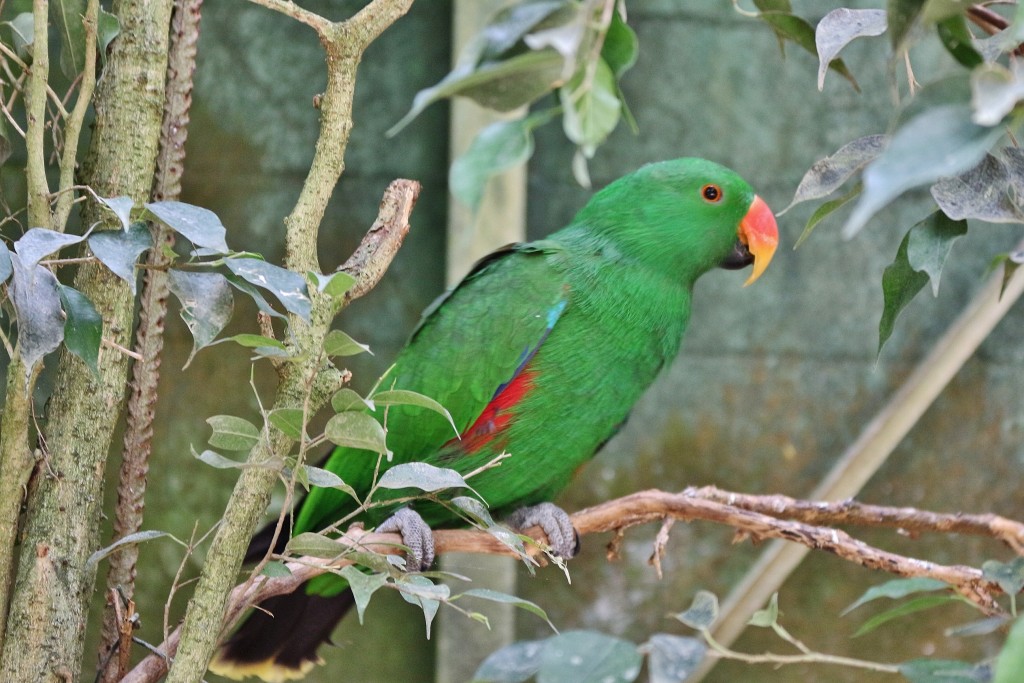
[496,414]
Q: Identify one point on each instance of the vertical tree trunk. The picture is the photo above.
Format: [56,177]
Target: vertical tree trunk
[49,604]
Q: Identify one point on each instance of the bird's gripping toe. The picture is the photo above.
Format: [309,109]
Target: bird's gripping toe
[416,536]
[555,522]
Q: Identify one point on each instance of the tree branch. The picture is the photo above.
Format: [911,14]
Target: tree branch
[754,517]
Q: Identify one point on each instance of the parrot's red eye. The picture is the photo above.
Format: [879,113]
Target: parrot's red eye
[711,193]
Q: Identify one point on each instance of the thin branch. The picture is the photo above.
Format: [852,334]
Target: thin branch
[73,122]
[35,115]
[641,508]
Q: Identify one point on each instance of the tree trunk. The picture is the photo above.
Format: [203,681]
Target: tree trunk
[50,600]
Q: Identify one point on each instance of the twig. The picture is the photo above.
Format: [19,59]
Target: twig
[641,508]
[860,514]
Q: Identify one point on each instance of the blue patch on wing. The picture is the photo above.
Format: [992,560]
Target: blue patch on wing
[554,313]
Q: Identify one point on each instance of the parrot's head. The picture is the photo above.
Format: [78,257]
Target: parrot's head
[685,217]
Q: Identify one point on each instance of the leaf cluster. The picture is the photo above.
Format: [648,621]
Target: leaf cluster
[954,137]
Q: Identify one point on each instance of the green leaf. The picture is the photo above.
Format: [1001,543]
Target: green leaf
[356,430]
[233,433]
[287,286]
[591,107]
[900,284]
[621,47]
[942,141]
[702,613]
[35,294]
[829,174]
[839,28]
[825,210]
[497,148]
[1008,575]
[393,397]
[672,659]
[255,341]
[315,545]
[119,251]
[83,327]
[929,244]
[419,475]
[502,86]
[66,18]
[956,38]
[337,343]
[289,421]
[910,607]
[334,285]
[275,569]
[317,476]
[944,671]
[363,587]
[902,14]
[346,399]
[588,656]
[979,627]
[895,589]
[768,616]
[476,510]
[199,226]
[506,599]
[217,460]
[206,305]
[37,243]
[513,663]
[421,591]
[108,27]
[130,539]
[1010,663]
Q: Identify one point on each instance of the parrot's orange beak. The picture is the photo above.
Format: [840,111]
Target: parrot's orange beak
[759,232]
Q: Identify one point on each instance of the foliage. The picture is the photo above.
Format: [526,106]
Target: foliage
[672,658]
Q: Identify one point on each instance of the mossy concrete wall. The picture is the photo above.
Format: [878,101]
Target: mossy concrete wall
[774,381]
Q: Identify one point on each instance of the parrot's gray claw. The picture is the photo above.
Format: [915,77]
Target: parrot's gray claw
[555,522]
[416,536]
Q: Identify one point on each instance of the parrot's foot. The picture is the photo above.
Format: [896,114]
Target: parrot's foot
[416,536]
[555,522]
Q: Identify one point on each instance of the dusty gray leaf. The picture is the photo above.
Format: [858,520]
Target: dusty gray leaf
[199,226]
[982,193]
[995,91]
[828,175]
[122,208]
[119,251]
[35,294]
[206,305]
[5,263]
[289,287]
[941,141]
[839,27]
[39,242]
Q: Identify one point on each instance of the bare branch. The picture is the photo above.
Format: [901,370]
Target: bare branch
[754,517]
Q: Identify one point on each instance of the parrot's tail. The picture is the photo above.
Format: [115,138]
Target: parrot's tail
[279,640]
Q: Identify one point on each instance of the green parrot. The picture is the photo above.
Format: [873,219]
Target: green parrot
[540,352]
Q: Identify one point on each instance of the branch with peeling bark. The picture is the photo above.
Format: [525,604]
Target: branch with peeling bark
[753,517]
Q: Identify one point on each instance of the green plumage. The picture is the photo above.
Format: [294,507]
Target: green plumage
[552,341]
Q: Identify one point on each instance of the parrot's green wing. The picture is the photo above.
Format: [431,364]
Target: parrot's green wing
[463,356]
